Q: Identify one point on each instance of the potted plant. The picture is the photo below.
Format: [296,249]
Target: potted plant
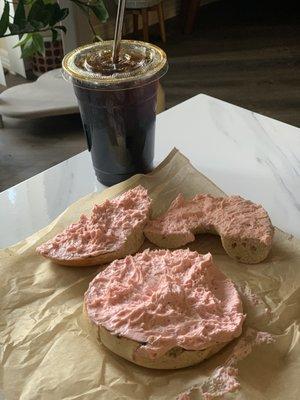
[34,17]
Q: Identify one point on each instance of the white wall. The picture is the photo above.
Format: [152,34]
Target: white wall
[11,57]
[70,40]
[2,76]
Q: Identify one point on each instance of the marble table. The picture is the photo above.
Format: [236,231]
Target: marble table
[242,152]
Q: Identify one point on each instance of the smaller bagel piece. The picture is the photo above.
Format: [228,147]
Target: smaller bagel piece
[245,228]
[164,309]
[114,230]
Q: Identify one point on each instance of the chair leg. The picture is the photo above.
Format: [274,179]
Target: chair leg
[135,24]
[183,14]
[145,24]
[191,16]
[161,21]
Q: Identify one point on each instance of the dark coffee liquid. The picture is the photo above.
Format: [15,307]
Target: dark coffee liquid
[119,127]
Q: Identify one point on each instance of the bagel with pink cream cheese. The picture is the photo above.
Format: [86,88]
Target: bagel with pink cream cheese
[114,230]
[164,309]
[245,228]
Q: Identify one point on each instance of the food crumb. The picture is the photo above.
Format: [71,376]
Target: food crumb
[224,379]
[184,396]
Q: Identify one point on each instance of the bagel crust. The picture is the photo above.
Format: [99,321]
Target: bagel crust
[175,358]
[164,309]
[114,230]
[245,228]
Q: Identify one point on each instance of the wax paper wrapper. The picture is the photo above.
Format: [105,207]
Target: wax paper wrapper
[48,351]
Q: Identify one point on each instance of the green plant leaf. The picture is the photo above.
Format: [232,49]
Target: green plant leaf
[38,25]
[43,15]
[22,41]
[28,52]
[27,46]
[62,28]
[28,40]
[57,14]
[29,2]
[99,10]
[31,44]
[14,29]
[54,35]
[40,14]
[38,42]
[17,30]
[4,21]
[64,12]
[20,17]
[35,10]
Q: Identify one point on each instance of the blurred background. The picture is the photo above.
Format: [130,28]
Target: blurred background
[245,52]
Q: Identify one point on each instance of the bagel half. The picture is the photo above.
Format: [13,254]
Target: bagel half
[164,309]
[245,228]
[114,230]
[133,242]
[175,358]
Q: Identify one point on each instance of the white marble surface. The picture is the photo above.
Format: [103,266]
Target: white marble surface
[242,152]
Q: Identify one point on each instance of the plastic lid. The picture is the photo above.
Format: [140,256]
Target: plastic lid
[139,63]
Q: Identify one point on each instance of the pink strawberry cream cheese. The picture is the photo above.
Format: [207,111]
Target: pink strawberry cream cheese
[164,299]
[104,231]
[230,217]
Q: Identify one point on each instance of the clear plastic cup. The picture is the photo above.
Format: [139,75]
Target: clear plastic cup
[117,104]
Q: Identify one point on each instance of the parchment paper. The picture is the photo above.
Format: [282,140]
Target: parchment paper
[47,351]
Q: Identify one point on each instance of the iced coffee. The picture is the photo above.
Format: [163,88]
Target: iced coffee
[117,104]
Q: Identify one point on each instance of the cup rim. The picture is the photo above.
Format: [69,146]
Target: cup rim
[73,72]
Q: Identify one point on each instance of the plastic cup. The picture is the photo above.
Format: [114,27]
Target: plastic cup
[117,104]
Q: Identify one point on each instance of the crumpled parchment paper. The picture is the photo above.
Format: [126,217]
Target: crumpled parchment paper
[47,351]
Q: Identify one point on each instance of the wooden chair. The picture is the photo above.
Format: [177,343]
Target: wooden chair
[142,8]
[191,9]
